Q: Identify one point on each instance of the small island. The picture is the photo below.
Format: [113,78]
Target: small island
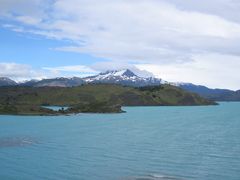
[92,98]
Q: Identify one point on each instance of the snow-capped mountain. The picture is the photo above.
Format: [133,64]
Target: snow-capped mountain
[4,81]
[123,77]
[55,82]
[128,78]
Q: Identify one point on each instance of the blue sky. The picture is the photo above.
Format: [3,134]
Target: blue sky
[38,51]
[185,41]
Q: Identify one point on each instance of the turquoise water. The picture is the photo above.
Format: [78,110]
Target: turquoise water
[56,108]
[201,143]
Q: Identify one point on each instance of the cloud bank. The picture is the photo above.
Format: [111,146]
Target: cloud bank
[158,33]
[21,72]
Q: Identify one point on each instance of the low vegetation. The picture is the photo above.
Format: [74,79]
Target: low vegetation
[96,98]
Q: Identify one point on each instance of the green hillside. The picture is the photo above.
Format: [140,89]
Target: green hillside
[92,98]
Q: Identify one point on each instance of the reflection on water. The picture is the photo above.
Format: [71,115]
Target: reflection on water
[56,108]
[152,177]
[16,141]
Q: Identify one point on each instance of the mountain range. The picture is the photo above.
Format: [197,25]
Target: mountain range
[213,94]
[4,81]
[127,78]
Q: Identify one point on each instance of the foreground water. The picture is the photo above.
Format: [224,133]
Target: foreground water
[201,143]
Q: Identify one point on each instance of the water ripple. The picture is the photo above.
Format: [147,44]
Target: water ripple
[152,177]
[16,141]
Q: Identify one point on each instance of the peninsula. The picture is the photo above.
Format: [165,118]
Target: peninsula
[92,98]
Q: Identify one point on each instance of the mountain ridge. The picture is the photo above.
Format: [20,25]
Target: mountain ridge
[5,81]
[127,78]
[123,77]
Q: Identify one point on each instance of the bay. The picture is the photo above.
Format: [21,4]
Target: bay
[198,142]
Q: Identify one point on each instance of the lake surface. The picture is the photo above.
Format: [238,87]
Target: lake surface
[146,143]
[56,108]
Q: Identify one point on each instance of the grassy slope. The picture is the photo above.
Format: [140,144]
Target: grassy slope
[93,98]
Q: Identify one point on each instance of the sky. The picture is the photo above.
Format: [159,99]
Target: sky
[179,41]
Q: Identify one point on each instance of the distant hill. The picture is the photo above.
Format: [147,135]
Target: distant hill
[55,82]
[213,94]
[93,98]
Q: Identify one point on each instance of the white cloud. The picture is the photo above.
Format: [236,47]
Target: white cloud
[143,31]
[229,9]
[28,20]
[20,72]
[31,8]
[212,70]
[114,65]
[77,70]
[178,36]
[83,71]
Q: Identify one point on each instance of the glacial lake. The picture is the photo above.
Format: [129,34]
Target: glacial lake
[56,108]
[146,143]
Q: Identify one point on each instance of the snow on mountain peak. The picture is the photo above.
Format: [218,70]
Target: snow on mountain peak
[125,77]
[123,72]
[128,73]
